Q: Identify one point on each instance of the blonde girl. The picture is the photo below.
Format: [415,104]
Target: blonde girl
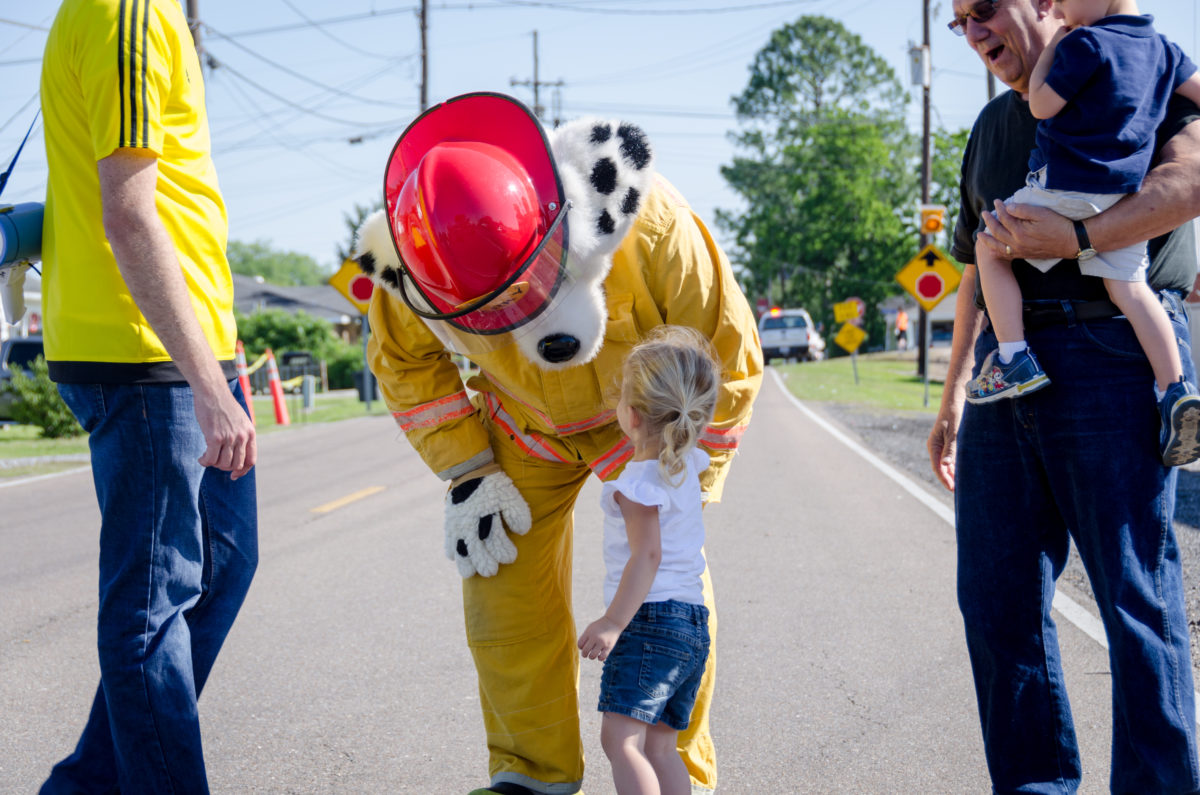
[653,636]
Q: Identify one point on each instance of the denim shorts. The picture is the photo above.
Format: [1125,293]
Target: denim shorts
[653,672]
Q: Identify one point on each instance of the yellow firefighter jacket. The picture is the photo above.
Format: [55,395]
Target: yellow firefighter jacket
[668,269]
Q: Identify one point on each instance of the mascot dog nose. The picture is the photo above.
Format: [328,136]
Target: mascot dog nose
[558,348]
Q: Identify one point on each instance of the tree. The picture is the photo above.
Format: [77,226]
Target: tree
[281,330]
[828,170]
[38,402]
[353,220]
[277,267]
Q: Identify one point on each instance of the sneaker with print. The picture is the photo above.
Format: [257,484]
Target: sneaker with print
[1180,438]
[997,381]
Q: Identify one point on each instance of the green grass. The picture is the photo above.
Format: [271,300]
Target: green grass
[885,381]
[22,441]
[325,409]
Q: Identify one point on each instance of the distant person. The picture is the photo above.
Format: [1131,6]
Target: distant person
[901,329]
[1076,464]
[140,337]
[653,636]
[1101,88]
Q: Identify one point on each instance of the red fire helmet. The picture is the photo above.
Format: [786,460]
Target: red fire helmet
[476,211]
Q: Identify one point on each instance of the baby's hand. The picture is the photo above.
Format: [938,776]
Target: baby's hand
[598,639]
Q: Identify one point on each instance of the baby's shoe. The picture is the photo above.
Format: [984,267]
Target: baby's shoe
[997,381]
[1179,440]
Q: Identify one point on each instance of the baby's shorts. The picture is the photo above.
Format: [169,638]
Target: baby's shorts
[653,672]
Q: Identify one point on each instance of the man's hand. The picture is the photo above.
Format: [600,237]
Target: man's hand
[599,638]
[479,505]
[1028,232]
[228,433]
[942,445]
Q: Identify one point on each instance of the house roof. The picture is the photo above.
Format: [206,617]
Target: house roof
[251,294]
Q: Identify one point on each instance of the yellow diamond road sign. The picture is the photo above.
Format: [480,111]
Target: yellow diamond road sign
[850,309]
[351,282]
[929,277]
[850,337]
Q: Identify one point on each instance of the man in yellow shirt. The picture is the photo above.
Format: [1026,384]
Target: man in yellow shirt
[140,337]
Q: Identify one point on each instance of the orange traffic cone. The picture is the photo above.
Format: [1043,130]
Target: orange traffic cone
[281,412]
[243,376]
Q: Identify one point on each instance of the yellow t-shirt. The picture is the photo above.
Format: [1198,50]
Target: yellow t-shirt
[124,73]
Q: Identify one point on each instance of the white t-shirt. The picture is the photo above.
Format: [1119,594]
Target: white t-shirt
[680,525]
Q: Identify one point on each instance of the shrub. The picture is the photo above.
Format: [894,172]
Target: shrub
[40,404]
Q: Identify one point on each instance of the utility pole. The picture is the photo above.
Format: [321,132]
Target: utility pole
[424,17]
[923,316]
[538,110]
[193,20]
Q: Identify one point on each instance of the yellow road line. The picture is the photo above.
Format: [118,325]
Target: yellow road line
[349,498]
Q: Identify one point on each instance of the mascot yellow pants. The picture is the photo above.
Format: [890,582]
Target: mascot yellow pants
[522,633]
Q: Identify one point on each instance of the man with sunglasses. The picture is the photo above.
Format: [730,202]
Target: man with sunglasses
[1076,461]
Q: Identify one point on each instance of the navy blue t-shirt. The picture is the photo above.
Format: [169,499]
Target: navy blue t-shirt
[1117,77]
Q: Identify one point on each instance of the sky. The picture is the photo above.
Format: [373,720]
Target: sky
[306,97]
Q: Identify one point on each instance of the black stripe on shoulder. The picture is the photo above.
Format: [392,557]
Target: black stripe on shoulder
[145,139]
[122,137]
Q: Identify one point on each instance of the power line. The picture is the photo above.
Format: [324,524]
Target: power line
[326,22]
[218,63]
[650,11]
[298,75]
[321,28]
[17,24]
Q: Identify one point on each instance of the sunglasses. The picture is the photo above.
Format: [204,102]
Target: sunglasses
[980,12]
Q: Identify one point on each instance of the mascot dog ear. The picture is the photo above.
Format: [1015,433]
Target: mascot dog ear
[606,169]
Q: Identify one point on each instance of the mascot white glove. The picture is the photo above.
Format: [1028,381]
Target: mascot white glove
[479,505]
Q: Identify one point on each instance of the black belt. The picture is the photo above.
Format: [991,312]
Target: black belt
[1066,313]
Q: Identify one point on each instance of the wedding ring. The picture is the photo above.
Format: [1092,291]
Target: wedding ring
[1008,250]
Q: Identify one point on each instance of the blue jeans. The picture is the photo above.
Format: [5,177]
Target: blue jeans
[1078,460]
[653,671]
[178,548]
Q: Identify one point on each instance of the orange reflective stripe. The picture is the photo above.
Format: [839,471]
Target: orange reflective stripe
[608,463]
[727,439]
[595,421]
[427,415]
[530,443]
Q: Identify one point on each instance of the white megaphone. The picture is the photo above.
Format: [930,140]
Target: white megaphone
[20,247]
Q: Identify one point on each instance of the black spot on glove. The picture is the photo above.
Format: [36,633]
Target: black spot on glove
[463,491]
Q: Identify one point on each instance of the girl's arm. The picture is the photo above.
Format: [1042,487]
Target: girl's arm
[1044,101]
[1190,88]
[645,553]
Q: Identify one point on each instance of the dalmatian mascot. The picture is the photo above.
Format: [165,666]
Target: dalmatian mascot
[542,257]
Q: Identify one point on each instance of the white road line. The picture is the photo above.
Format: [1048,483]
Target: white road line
[22,481]
[1067,607]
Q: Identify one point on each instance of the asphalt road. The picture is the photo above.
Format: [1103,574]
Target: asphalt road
[842,665]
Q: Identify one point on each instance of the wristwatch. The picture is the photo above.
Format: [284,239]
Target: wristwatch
[1086,252]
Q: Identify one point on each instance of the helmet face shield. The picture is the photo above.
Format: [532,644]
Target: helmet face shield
[478,218]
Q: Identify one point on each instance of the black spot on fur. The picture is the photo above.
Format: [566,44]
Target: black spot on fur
[392,277]
[367,263]
[463,491]
[605,223]
[634,145]
[485,527]
[461,547]
[630,204]
[601,133]
[604,176]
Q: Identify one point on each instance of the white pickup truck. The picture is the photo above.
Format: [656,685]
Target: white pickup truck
[789,334]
